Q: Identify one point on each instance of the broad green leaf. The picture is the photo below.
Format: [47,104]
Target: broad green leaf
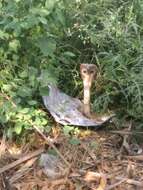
[67,129]
[47,129]
[9,132]
[3,35]
[14,45]
[32,102]
[47,77]
[49,4]
[69,54]
[3,118]
[33,71]
[46,45]
[17,100]
[15,25]
[18,128]
[44,121]
[44,91]
[23,74]
[24,110]
[24,91]
[6,87]
[39,11]
[42,20]
[30,21]
[60,16]
[38,121]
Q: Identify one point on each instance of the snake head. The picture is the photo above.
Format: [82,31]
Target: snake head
[88,73]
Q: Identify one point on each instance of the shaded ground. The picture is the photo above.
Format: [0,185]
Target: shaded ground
[100,161]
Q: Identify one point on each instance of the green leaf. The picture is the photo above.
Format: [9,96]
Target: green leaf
[33,75]
[3,35]
[46,45]
[3,118]
[38,121]
[67,129]
[49,4]
[60,16]
[32,102]
[44,91]
[14,45]
[44,121]
[74,141]
[69,54]
[31,20]
[47,129]
[42,20]
[47,77]
[24,110]
[32,71]
[17,100]
[23,74]
[18,128]
[24,91]
[9,132]
[6,87]
[39,11]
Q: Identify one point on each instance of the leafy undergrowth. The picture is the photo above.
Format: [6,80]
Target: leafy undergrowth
[45,41]
[98,160]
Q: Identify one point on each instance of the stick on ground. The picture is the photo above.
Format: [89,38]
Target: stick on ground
[21,160]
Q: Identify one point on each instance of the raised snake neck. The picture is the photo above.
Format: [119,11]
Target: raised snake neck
[86,101]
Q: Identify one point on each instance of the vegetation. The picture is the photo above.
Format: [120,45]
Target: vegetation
[44,41]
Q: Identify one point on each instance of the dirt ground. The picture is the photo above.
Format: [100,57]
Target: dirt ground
[100,160]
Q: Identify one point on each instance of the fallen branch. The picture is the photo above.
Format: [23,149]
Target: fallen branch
[126,132]
[122,180]
[21,160]
[24,169]
[115,184]
[131,181]
[138,157]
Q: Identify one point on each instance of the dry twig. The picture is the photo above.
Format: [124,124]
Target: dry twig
[137,157]
[21,160]
[126,132]
[115,184]
[131,181]
[23,170]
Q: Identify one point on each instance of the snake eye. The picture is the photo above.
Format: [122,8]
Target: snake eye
[84,71]
[91,72]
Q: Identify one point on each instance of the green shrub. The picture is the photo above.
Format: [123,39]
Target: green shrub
[45,41]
